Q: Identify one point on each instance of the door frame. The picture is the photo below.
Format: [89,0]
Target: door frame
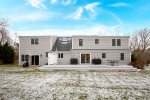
[90,58]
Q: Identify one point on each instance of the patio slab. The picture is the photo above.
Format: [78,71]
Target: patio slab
[88,67]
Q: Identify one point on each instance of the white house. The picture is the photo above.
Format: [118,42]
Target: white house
[41,50]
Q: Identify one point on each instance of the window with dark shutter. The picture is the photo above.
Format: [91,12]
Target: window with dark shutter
[58,55]
[118,42]
[80,42]
[61,55]
[26,57]
[96,41]
[103,55]
[32,41]
[36,41]
[22,58]
[113,42]
[121,56]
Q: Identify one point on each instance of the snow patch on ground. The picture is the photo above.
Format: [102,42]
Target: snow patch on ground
[74,85]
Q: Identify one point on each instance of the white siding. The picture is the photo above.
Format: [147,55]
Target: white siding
[26,48]
[105,42]
[110,55]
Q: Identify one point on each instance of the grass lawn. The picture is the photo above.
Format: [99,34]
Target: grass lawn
[29,83]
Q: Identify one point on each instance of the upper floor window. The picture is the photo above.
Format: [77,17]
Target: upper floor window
[80,42]
[118,42]
[113,42]
[103,55]
[121,56]
[96,41]
[34,41]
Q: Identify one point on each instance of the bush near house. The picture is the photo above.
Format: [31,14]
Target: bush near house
[137,64]
[133,57]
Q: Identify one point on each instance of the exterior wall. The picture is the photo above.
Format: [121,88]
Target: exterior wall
[66,57]
[95,50]
[105,42]
[110,55]
[26,48]
[104,46]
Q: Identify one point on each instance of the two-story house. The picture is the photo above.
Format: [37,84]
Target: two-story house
[41,50]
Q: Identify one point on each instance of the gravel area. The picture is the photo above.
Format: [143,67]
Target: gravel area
[27,84]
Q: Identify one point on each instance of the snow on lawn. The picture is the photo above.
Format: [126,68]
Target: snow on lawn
[73,85]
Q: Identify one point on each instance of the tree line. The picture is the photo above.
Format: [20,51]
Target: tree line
[140,48]
[7,52]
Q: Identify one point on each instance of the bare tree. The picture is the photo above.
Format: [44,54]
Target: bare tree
[4,33]
[134,42]
[139,42]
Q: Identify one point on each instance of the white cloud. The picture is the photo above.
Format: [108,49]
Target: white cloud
[116,17]
[91,6]
[68,2]
[53,1]
[80,10]
[37,3]
[119,4]
[77,15]
[36,16]
[63,2]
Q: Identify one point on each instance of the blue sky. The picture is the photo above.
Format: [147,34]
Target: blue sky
[75,17]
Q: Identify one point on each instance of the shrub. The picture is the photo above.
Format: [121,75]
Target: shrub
[73,61]
[7,53]
[137,64]
[96,61]
[133,57]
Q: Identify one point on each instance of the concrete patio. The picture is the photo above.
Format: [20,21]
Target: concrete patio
[88,67]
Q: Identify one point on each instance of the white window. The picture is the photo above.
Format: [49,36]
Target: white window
[103,55]
[80,42]
[34,41]
[96,41]
[118,42]
[60,55]
[121,56]
[113,42]
[24,57]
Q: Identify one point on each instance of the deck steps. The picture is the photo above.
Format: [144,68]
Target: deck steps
[87,68]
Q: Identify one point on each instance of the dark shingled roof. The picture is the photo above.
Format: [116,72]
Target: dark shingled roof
[63,44]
